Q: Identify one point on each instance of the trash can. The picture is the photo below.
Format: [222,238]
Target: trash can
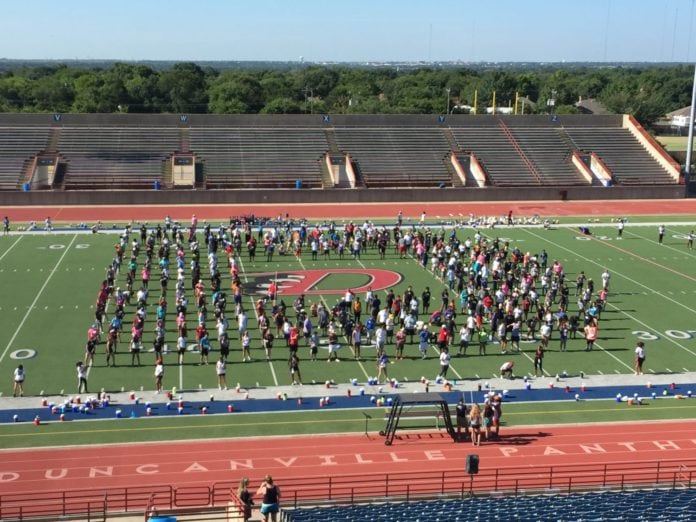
[157,184]
[298,184]
[161,519]
[26,187]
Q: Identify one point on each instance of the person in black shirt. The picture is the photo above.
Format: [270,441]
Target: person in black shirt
[425,300]
[246,497]
[462,422]
[271,498]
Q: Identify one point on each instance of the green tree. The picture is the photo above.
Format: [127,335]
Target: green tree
[183,88]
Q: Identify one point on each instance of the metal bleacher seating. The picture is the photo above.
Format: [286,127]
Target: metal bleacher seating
[256,158]
[639,505]
[504,166]
[397,156]
[105,157]
[550,153]
[17,147]
[622,153]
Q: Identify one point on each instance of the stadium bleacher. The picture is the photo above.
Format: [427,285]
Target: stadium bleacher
[621,152]
[639,505]
[396,157]
[550,151]
[18,145]
[124,151]
[104,157]
[240,157]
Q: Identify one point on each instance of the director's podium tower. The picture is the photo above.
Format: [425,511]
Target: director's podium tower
[417,400]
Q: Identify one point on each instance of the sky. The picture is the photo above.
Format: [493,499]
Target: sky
[351,30]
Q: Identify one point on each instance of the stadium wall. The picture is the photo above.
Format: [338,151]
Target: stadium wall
[203,197]
[305,120]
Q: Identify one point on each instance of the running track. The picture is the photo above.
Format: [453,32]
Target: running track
[206,462]
[413,211]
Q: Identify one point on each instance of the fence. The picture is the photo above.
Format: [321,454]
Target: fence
[96,503]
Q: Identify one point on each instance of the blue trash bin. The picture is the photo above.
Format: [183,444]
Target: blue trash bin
[298,184]
[157,184]
[161,519]
[26,187]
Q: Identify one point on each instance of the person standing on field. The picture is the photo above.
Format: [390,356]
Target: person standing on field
[221,372]
[18,381]
[640,357]
[81,377]
[159,374]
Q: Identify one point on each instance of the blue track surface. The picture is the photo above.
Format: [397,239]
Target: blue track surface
[159,409]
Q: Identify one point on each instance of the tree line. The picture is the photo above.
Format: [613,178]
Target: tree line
[647,92]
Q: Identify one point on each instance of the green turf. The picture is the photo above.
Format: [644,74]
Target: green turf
[674,143]
[316,422]
[652,297]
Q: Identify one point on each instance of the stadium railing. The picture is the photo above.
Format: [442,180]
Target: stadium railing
[94,504]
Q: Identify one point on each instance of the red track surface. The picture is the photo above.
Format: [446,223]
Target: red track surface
[206,462]
[351,210]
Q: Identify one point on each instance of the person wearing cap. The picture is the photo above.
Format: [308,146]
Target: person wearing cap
[159,373]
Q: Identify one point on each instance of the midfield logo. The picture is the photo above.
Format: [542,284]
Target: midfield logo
[296,282]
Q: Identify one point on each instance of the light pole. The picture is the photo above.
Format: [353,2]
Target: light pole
[690,144]
[551,102]
[448,89]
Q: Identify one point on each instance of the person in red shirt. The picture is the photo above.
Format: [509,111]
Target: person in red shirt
[294,340]
[443,337]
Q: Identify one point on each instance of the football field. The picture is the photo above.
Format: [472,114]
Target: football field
[50,283]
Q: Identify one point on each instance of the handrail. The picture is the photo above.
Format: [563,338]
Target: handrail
[356,487]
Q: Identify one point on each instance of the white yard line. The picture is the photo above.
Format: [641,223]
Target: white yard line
[632,280]
[11,247]
[613,356]
[253,307]
[664,246]
[655,292]
[36,299]
[348,341]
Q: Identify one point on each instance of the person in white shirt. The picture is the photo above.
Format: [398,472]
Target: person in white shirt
[18,381]
[380,339]
[444,363]
[159,374]
[640,357]
[81,377]
[242,323]
[221,372]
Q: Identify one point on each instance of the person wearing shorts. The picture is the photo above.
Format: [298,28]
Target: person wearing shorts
[159,374]
[640,357]
[90,349]
[221,372]
[135,350]
[181,348]
[270,499]
[294,365]
[18,381]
